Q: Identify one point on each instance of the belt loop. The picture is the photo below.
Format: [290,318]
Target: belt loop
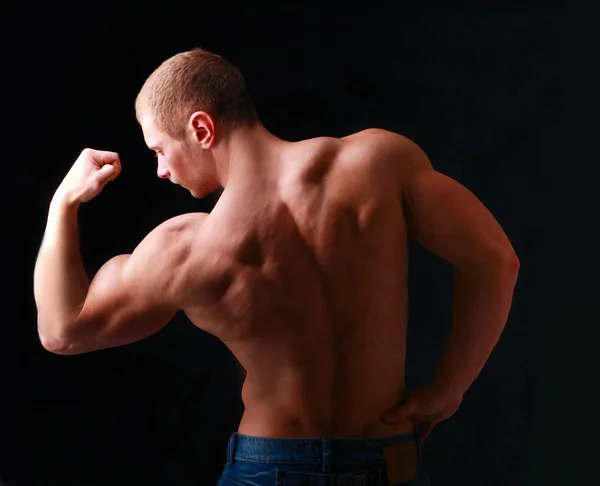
[231,448]
[326,454]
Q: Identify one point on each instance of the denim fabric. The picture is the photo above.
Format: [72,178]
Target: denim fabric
[321,461]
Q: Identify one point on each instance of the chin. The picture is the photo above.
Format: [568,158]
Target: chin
[200,192]
[195,194]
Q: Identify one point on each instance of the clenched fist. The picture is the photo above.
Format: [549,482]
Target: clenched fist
[92,170]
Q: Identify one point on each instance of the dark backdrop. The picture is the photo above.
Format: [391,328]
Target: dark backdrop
[477,87]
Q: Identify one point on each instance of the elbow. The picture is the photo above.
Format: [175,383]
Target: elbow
[55,345]
[508,265]
[511,262]
[55,342]
[63,347]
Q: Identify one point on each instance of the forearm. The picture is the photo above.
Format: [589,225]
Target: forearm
[481,305]
[60,280]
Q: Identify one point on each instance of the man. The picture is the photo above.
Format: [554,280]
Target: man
[300,269]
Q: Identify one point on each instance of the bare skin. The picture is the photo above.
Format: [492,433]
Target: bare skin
[305,282]
[300,269]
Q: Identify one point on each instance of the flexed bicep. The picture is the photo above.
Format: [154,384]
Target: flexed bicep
[133,296]
[123,305]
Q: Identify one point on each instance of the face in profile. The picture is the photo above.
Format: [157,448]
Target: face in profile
[183,162]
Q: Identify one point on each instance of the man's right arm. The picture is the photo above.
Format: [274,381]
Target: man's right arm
[447,219]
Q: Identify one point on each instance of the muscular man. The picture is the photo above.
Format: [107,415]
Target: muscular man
[300,269]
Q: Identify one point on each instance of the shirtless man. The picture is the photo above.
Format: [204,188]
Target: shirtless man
[300,269]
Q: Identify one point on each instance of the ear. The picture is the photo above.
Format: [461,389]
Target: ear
[203,127]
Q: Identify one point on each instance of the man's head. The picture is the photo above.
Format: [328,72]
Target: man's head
[189,103]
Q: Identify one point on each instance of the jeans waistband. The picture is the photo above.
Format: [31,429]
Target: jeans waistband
[314,450]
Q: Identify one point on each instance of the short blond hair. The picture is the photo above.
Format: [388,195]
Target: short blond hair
[191,81]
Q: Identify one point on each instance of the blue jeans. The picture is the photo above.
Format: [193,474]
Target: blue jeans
[322,461]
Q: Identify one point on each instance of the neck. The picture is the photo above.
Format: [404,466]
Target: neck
[246,151]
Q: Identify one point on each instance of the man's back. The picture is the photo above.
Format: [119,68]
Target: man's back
[300,269]
[304,279]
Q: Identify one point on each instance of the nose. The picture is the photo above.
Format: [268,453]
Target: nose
[163,172]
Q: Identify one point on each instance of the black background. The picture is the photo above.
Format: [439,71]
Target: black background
[478,87]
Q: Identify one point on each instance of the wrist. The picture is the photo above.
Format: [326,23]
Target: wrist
[62,214]
[64,201]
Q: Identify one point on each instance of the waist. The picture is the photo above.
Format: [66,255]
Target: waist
[335,451]
[272,421]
